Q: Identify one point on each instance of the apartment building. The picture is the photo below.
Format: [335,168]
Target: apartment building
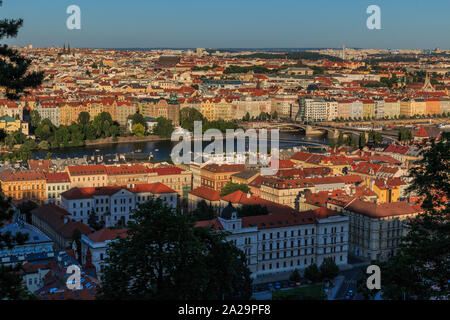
[285,105]
[332,110]
[285,240]
[391,108]
[375,229]
[57,183]
[175,178]
[30,185]
[216,176]
[88,176]
[356,109]
[312,110]
[48,110]
[113,204]
[126,174]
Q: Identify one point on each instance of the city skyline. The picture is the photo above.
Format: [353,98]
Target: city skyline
[175,24]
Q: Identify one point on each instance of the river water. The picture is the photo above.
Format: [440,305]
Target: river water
[162,149]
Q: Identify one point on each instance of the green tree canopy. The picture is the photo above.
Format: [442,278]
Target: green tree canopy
[420,268]
[138,118]
[138,130]
[233,187]
[15,74]
[166,258]
[312,273]
[84,118]
[328,269]
[163,128]
[188,116]
[203,211]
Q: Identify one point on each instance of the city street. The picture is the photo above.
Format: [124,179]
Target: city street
[350,283]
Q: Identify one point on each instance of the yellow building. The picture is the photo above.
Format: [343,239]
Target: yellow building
[386,192]
[208,109]
[30,185]
[10,125]
[368,109]
[224,110]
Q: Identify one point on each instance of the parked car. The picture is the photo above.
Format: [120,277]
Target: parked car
[349,295]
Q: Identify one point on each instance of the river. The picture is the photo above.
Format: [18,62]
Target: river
[162,149]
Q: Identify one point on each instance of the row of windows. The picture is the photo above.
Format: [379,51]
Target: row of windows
[26,187]
[285,244]
[293,253]
[278,234]
[58,188]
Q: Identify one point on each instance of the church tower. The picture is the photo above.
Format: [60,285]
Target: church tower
[428,86]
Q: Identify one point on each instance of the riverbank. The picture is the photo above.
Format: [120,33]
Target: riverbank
[130,139]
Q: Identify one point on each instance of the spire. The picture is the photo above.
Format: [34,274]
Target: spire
[428,86]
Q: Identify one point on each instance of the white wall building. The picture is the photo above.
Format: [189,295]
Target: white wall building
[286,241]
[113,204]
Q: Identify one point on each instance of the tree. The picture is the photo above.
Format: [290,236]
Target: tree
[35,118]
[15,75]
[3,135]
[340,140]
[138,130]
[295,276]
[11,287]
[275,115]
[93,221]
[312,273]
[404,134]
[44,145]
[361,284]
[188,116]
[203,211]
[163,128]
[165,257]
[25,208]
[328,269]
[84,118]
[419,270]
[138,118]
[76,237]
[246,117]
[233,187]
[362,140]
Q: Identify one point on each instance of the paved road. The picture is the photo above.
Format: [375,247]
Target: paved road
[351,278]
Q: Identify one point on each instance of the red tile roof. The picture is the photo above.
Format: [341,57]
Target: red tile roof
[107,234]
[87,170]
[40,165]
[54,217]
[165,170]
[155,188]
[126,170]
[224,168]
[206,193]
[57,177]
[23,176]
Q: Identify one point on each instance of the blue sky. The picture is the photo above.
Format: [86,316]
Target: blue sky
[232,23]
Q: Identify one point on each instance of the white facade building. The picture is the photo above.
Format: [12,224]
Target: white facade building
[113,204]
[287,240]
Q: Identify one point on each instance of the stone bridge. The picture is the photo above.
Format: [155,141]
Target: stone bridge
[332,131]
